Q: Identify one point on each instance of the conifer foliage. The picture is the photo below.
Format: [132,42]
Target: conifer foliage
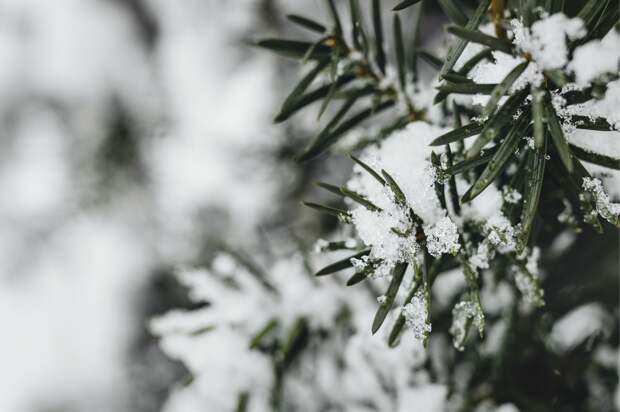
[412,200]
[470,161]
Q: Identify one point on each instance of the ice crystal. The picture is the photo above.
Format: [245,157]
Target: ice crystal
[442,237]
[500,233]
[463,314]
[416,315]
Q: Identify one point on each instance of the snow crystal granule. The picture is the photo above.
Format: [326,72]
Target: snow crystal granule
[511,195]
[416,316]
[545,41]
[442,237]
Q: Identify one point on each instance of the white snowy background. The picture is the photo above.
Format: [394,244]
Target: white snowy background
[82,239]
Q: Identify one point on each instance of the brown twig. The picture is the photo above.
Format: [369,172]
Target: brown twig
[497,11]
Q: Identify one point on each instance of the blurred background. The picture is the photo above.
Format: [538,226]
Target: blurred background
[137,135]
[133,131]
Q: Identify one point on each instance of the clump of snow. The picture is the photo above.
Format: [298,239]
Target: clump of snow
[416,315]
[210,356]
[607,107]
[500,236]
[595,58]
[546,39]
[604,206]
[577,325]
[442,237]
[391,231]
[375,229]
[404,155]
